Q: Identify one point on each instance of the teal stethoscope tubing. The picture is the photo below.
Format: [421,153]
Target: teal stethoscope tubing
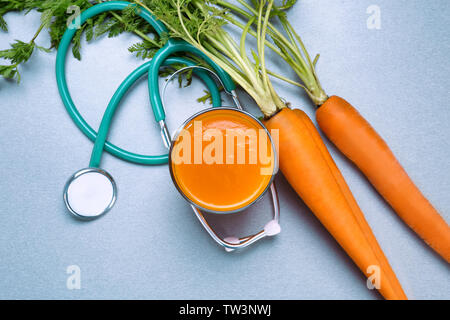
[152,67]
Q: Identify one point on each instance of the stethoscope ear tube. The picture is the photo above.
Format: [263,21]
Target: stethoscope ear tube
[230,244]
[229,90]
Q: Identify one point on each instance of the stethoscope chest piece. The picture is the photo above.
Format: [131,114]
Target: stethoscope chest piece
[89,193]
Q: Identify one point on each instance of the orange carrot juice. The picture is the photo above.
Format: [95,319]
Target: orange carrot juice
[222,160]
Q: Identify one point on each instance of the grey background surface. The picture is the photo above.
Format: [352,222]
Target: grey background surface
[150,245]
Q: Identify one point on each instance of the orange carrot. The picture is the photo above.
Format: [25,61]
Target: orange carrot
[352,202]
[306,164]
[355,137]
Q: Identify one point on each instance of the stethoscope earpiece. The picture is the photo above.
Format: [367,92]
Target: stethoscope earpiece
[272,228]
[90,193]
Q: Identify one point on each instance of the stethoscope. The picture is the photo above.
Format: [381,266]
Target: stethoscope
[91,192]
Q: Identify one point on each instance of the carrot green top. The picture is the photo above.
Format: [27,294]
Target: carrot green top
[201,23]
[286,43]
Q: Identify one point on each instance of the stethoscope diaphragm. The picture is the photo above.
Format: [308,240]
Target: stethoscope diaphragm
[89,193]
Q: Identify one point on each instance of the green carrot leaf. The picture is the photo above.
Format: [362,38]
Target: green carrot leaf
[3,24]
[10,72]
[19,52]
